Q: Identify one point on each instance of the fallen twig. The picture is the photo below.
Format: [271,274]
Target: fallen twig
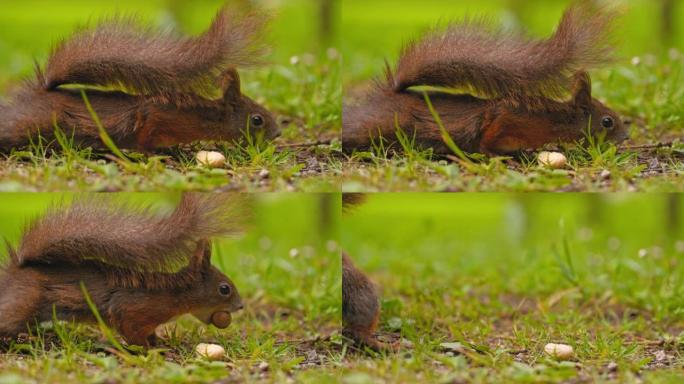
[646,146]
[301,145]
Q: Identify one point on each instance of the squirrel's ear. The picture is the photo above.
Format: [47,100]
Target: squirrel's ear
[206,257]
[581,93]
[230,84]
[202,256]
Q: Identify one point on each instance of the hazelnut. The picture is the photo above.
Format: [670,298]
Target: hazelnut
[212,352]
[555,160]
[559,351]
[211,159]
[221,319]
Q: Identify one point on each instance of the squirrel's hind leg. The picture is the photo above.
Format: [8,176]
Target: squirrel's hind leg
[501,137]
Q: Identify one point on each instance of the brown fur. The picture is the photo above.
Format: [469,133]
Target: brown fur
[360,302]
[499,64]
[140,270]
[360,306]
[503,75]
[164,86]
[157,62]
[352,200]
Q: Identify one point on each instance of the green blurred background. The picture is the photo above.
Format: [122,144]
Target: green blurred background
[374,30]
[288,259]
[30,27]
[627,248]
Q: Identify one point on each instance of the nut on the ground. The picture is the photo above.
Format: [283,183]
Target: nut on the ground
[555,160]
[212,352]
[559,351]
[211,158]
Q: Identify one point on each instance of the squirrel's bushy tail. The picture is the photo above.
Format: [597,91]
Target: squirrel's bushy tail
[157,63]
[494,63]
[352,200]
[103,231]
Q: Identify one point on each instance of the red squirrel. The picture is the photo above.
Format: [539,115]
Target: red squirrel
[360,306]
[140,269]
[153,89]
[511,86]
[360,300]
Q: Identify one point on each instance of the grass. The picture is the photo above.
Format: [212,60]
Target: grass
[301,85]
[288,276]
[473,285]
[494,277]
[644,87]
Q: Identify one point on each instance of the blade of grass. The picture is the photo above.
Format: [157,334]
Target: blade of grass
[104,136]
[445,135]
[106,331]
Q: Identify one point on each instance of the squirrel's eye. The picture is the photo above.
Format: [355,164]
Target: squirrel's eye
[607,122]
[224,289]
[256,120]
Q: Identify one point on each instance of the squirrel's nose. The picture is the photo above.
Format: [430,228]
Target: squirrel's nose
[275,132]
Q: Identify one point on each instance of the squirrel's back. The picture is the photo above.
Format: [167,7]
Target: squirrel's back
[491,62]
[153,62]
[131,245]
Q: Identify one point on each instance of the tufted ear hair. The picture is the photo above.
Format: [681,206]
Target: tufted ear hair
[206,256]
[230,84]
[201,259]
[581,90]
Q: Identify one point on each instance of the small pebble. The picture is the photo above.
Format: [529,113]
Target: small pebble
[311,355]
[212,352]
[555,160]
[661,356]
[264,173]
[559,351]
[211,158]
